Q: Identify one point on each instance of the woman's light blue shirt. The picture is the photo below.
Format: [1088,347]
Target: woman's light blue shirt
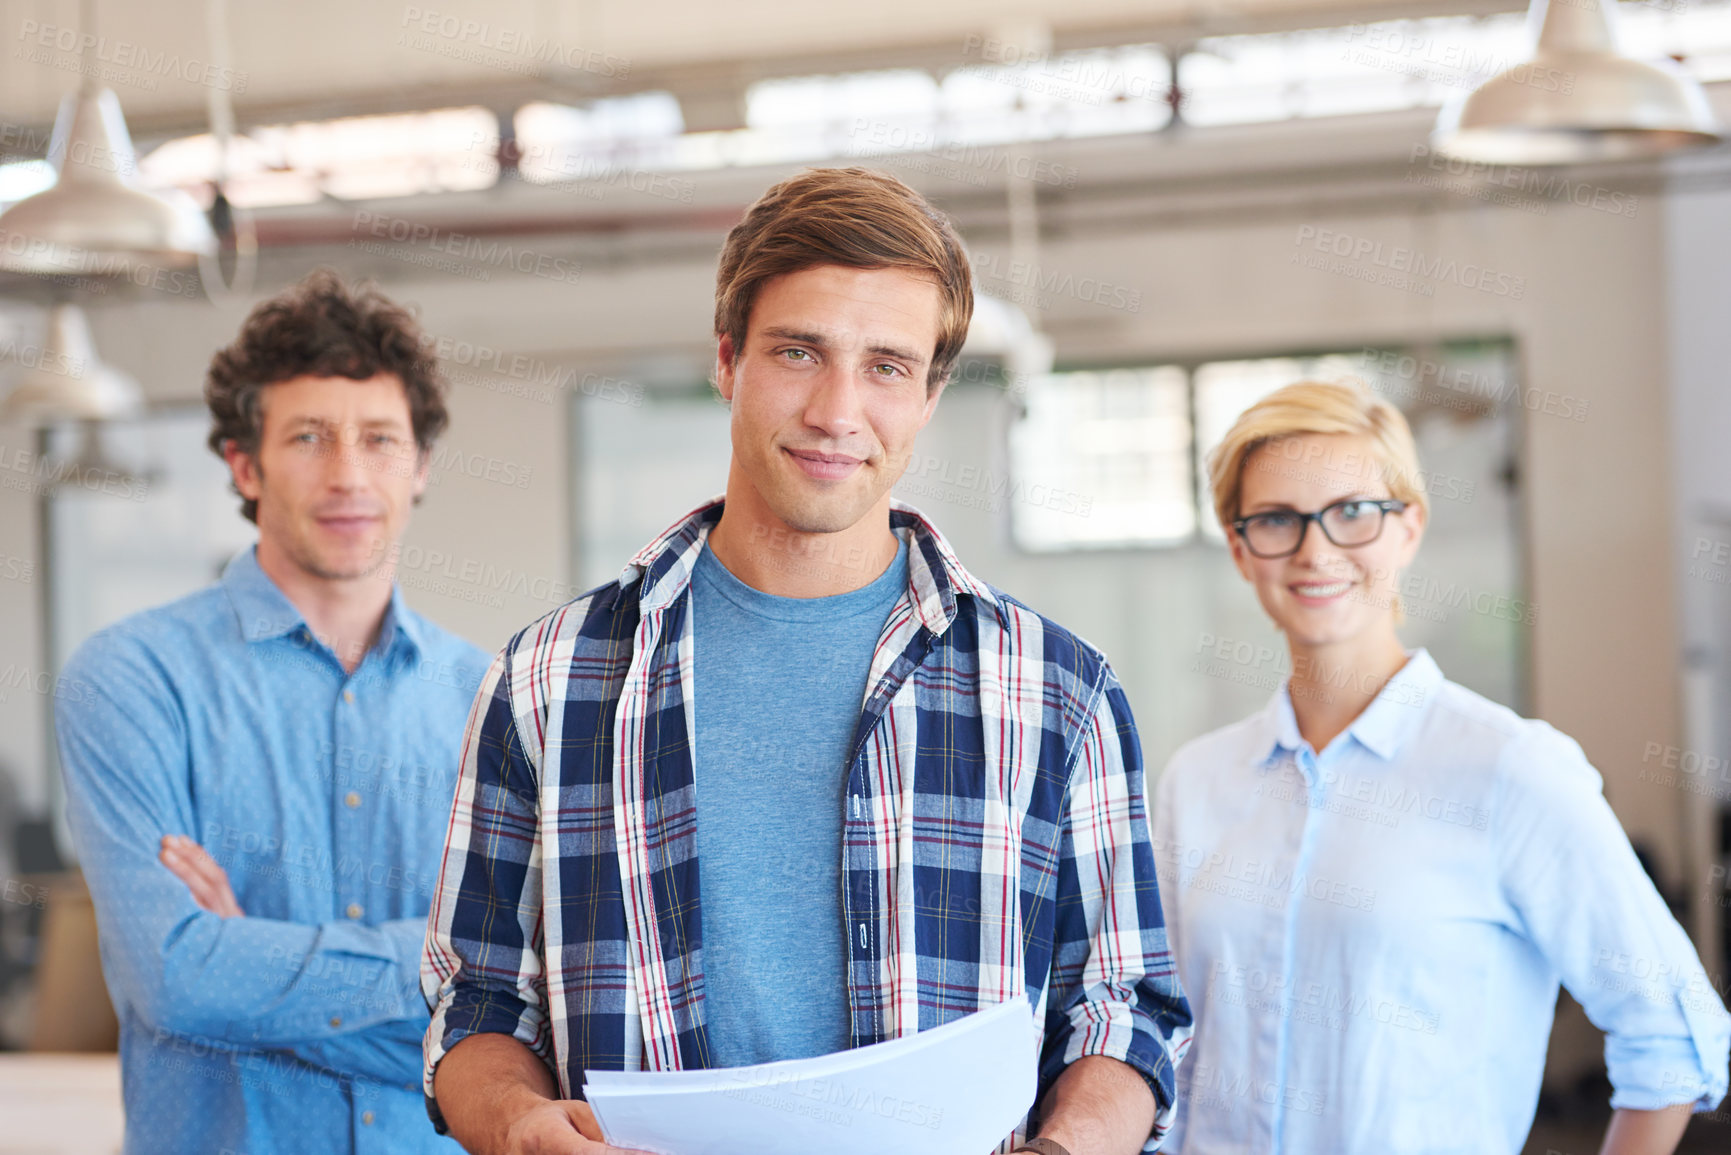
[1372,937]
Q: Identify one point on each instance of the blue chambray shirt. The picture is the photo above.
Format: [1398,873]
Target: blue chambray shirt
[324,795]
[1372,936]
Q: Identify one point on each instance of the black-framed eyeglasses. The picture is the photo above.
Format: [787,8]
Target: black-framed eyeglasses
[1280,532]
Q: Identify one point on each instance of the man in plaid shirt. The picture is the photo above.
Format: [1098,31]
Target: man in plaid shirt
[797,781]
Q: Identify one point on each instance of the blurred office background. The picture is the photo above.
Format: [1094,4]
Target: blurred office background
[1172,209]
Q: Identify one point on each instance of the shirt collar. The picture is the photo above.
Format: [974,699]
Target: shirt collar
[1278,729]
[1381,728]
[935,576]
[1395,712]
[402,627]
[264,611]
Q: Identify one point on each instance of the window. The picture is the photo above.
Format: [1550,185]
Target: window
[1088,507]
[1114,445]
[1131,540]
[1224,389]
[639,465]
[141,514]
[1117,459]
[351,158]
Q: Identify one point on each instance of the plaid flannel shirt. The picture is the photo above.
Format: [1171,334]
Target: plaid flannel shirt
[995,835]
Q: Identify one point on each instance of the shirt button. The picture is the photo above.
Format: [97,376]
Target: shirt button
[336,1021]
[351,800]
[349,697]
[354,910]
[366,1118]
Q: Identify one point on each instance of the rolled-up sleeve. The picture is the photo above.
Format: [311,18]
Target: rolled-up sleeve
[482,970]
[1115,989]
[1588,905]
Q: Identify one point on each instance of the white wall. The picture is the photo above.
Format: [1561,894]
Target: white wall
[1698,255]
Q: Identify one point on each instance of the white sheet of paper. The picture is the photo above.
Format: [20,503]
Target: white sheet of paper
[958,1089]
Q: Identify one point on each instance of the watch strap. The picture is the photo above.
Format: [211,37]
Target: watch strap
[1044,1147]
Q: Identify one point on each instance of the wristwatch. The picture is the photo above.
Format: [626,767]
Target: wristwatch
[1044,1147]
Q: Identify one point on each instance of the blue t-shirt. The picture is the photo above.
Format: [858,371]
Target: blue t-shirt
[780,683]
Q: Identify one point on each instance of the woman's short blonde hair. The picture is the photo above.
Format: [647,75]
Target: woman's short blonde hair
[1318,407]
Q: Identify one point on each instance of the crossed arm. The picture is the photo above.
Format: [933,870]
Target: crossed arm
[499,1097]
[179,951]
[193,865]
[387,1052]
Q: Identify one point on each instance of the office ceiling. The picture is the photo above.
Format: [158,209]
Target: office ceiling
[318,58]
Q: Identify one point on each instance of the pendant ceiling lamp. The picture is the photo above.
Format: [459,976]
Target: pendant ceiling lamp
[95,220]
[63,380]
[1577,101]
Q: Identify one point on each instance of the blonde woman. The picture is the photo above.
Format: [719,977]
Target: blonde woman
[1374,885]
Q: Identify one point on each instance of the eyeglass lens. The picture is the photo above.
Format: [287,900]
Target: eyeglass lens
[1346,524]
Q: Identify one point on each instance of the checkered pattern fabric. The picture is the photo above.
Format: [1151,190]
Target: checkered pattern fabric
[995,835]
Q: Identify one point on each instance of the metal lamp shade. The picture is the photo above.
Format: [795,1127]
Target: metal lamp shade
[1578,101]
[95,220]
[64,380]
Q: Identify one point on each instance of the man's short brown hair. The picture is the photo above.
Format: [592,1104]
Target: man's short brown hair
[845,216]
[320,328]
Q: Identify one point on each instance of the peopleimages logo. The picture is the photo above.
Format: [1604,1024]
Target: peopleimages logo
[1546,184]
[1079,77]
[1398,47]
[541,379]
[1399,259]
[465,246]
[125,55]
[421,25]
[592,174]
[480,466]
[37,474]
[41,358]
[30,249]
[1038,282]
[1403,374]
[872,138]
[989,486]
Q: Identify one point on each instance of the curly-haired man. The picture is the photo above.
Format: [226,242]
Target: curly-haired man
[258,782]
